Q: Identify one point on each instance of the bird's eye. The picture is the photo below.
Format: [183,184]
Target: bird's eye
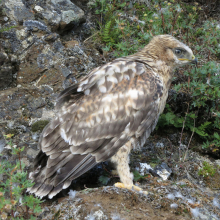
[178,51]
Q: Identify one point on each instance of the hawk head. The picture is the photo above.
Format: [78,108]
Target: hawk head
[168,49]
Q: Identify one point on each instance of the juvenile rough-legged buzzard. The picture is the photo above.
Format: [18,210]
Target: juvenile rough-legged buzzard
[109,112]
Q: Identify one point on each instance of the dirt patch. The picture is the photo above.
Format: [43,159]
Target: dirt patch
[109,203]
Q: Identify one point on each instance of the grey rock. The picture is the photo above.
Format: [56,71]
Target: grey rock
[160,145]
[2,143]
[16,10]
[70,80]
[31,24]
[26,162]
[58,46]
[60,14]
[6,77]
[51,37]
[66,72]
[163,171]
[13,58]
[44,60]
[32,153]
[217,162]
[6,71]
[21,34]
[144,168]
[69,18]
[52,18]
[5,18]
[11,41]
[3,57]
[38,8]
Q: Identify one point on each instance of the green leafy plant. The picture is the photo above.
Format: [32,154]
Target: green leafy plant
[209,34]
[138,176]
[123,33]
[126,33]
[171,119]
[104,179]
[14,203]
[106,36]
[203,88]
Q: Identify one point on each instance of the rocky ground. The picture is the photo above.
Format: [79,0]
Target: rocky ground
[47,51]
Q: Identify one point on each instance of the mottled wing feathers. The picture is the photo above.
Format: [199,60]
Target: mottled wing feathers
[50,181]
[104,78]
[68,95]
[121,102]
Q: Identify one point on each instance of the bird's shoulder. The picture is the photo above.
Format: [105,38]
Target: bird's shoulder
[112,77]
[106,77]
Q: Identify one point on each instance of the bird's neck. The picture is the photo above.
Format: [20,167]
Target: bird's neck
[162,68]
[165,70]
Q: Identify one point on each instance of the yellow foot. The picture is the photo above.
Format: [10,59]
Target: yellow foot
[130,187]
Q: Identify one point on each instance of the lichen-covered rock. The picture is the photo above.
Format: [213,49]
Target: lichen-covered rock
[10,41]
[6,76]
[16,10]
[3,57]
[7,69]
[28,73]
[33,25]
[43,66]
[60,14]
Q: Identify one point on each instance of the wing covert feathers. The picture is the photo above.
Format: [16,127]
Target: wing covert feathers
[114,104]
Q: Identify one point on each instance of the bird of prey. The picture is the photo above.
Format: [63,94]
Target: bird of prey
[109,112]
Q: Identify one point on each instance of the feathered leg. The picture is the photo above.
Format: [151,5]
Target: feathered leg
[121,159]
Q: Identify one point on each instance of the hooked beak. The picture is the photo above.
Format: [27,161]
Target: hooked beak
[194,60]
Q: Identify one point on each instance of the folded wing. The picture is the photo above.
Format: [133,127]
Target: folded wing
[112,105]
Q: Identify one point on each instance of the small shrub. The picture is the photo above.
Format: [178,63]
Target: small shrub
[207,170]
[14,203]
[203,88]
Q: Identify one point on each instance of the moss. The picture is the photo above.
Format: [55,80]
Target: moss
[39,125]
[13,131]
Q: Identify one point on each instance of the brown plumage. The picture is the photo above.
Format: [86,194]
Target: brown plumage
[112,110]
